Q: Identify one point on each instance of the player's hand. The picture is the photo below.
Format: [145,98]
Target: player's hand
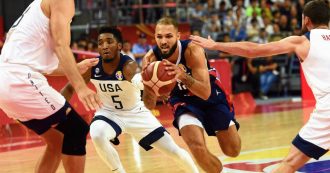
[173,69]
[84,65]
[89,99]
[203,42]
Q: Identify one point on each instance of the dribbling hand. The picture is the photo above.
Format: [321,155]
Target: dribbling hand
[173,69]
[89,99]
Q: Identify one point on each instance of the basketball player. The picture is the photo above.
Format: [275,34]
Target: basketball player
[123,112]
[36,45]
[198,101]
[312,48]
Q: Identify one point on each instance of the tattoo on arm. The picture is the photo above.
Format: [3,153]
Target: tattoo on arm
[188,80]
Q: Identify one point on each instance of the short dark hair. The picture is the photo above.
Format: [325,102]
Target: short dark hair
[317,11]
[112,30]
[168,21]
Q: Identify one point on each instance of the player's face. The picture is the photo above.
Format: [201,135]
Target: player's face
[166,37]
[108,46]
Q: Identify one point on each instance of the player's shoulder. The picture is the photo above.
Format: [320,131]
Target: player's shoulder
[296,38]
[192,49]
[150,55]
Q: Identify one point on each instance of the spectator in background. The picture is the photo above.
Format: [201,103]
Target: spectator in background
[238,32]
[253,30]
[254,7]
[259,20]
[265,10]
[212,26]
[267,75]
[224,38]
[239,7]
[140,48]
[239,18]
[268,26]
[198,16]
[126,50]
[263,36]
[91,46]
[195,32]
[284,23]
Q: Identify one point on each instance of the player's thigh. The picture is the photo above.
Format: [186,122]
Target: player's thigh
[191,130]
[27,95]
[222,119]
[144,127]
[229,140]
[141,122]
[314,138]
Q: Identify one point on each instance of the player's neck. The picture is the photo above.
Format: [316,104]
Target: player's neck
[109,64]
[321,27]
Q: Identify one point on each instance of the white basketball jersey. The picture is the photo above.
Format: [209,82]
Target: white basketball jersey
[29,41]
[115,92]
[316,66]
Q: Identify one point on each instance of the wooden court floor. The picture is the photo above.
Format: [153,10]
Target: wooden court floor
[266,135]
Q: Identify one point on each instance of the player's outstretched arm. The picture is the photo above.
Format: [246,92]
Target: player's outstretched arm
[129,70]
[83,66]
[67,91]
[62,12]
[250,49]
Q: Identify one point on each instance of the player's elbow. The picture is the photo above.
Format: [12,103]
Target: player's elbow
[206,94]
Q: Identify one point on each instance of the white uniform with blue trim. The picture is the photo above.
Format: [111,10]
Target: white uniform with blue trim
[28,53]
[122,101]
[316,68]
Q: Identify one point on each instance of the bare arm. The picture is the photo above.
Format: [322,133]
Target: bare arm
[62,12]
[149,98]
[250,49]
[83,66]
[198,64]
[67,91]
[129,70]
[199,82]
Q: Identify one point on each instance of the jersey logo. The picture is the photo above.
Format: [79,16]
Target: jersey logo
[97,71]
[119,75]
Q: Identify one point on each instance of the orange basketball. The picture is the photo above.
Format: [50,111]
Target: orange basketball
[156,78]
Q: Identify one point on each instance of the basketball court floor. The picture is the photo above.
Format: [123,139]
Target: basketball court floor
[266,132]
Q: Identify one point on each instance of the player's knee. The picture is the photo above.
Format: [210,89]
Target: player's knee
[75,131]
[96,133]
[232,151]
[197,148]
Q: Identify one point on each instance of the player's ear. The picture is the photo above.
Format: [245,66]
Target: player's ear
[120,46]
[178,35]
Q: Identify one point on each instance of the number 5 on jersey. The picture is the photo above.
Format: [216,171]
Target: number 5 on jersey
[117,102]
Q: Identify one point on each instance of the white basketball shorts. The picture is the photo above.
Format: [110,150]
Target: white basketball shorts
[138,122]
[26,94]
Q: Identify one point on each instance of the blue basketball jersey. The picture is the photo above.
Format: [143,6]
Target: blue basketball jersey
[215,113]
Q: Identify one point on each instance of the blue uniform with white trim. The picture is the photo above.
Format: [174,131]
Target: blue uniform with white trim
[122,108]
[215,113]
